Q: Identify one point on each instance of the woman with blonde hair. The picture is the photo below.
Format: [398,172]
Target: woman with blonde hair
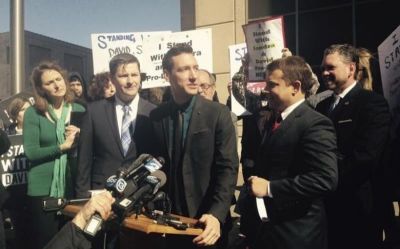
[364,75]
[48,138]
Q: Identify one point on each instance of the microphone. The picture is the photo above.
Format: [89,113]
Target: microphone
[141,176]
[55,204]
[137,163]
[142,167]
[143,195]
[128,180]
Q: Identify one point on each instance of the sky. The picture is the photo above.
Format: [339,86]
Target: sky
[74,20]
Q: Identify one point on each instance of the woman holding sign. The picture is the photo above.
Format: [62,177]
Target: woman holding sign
[48,137]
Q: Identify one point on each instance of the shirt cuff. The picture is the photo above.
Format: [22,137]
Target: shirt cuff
[269,192]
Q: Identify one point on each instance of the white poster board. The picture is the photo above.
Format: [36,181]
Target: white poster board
[154,48]
[389,62]
[236,53]
[265,41]
[107,45]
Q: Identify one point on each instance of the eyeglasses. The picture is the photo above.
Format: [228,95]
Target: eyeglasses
[205,86]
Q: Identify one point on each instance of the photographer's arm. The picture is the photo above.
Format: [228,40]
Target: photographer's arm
[71,235]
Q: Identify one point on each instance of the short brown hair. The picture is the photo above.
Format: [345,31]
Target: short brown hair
[15,107]
[41,101]
[348,53]
[294,68]
[122,59]
[180,48]
[99,82]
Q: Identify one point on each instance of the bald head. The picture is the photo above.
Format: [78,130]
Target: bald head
[206,82]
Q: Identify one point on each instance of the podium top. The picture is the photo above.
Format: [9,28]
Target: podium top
[144,224]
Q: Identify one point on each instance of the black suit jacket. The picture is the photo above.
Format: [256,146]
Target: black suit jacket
[69,237]
[253,130]
[362,122]
[100,151]
[210,160]
[299,161]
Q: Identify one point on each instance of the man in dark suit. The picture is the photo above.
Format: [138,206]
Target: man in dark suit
[361,119]
[115,130]
[197,139]
[295,168]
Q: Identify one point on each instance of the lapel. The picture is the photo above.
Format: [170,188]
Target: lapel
[195,123]
[346,104]
[139,126]
[112,121]
[267,128]
[165,123]
[285,125]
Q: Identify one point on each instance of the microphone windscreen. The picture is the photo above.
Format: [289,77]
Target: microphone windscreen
[160,176]
[123,171]
[140,160]
[161,160]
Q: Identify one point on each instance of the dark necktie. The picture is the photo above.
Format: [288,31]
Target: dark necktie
[178,136]
[176,169]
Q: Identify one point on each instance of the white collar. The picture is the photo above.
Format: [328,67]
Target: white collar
[290,108]
[133,104]
[347,90]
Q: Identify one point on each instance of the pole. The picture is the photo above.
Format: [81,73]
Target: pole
[17,42]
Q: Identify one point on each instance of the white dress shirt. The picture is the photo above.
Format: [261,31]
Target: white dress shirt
[119,110]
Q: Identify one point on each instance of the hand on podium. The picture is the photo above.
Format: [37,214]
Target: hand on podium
[211,233]
[100,203]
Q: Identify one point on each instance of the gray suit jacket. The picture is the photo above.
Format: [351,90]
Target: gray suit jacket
[210,160]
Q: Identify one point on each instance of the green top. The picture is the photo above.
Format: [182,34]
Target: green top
[41,149]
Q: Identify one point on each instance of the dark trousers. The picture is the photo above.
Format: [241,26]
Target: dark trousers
[2,235]
[42,226]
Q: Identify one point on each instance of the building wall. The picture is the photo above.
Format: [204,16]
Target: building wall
[37,48]
[225,18]
[313,25]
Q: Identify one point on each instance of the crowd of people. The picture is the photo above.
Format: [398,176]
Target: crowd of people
[318,167]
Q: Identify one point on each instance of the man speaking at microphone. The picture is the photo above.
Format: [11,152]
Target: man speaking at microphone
[198,141]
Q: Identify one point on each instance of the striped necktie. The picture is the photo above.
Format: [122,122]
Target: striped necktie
[125,131]
[335,102]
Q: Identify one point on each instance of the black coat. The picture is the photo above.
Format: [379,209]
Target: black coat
[299,161]
[100,151]
[362,122]
[210,160]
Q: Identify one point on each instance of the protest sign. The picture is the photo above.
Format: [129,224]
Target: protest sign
[14,165]
[236,53]
[389,61]
[265,41]
[154,48]
[107,45]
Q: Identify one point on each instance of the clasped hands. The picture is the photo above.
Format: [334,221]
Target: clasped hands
[71,133]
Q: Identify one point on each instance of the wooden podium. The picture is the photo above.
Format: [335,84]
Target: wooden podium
[143,232]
